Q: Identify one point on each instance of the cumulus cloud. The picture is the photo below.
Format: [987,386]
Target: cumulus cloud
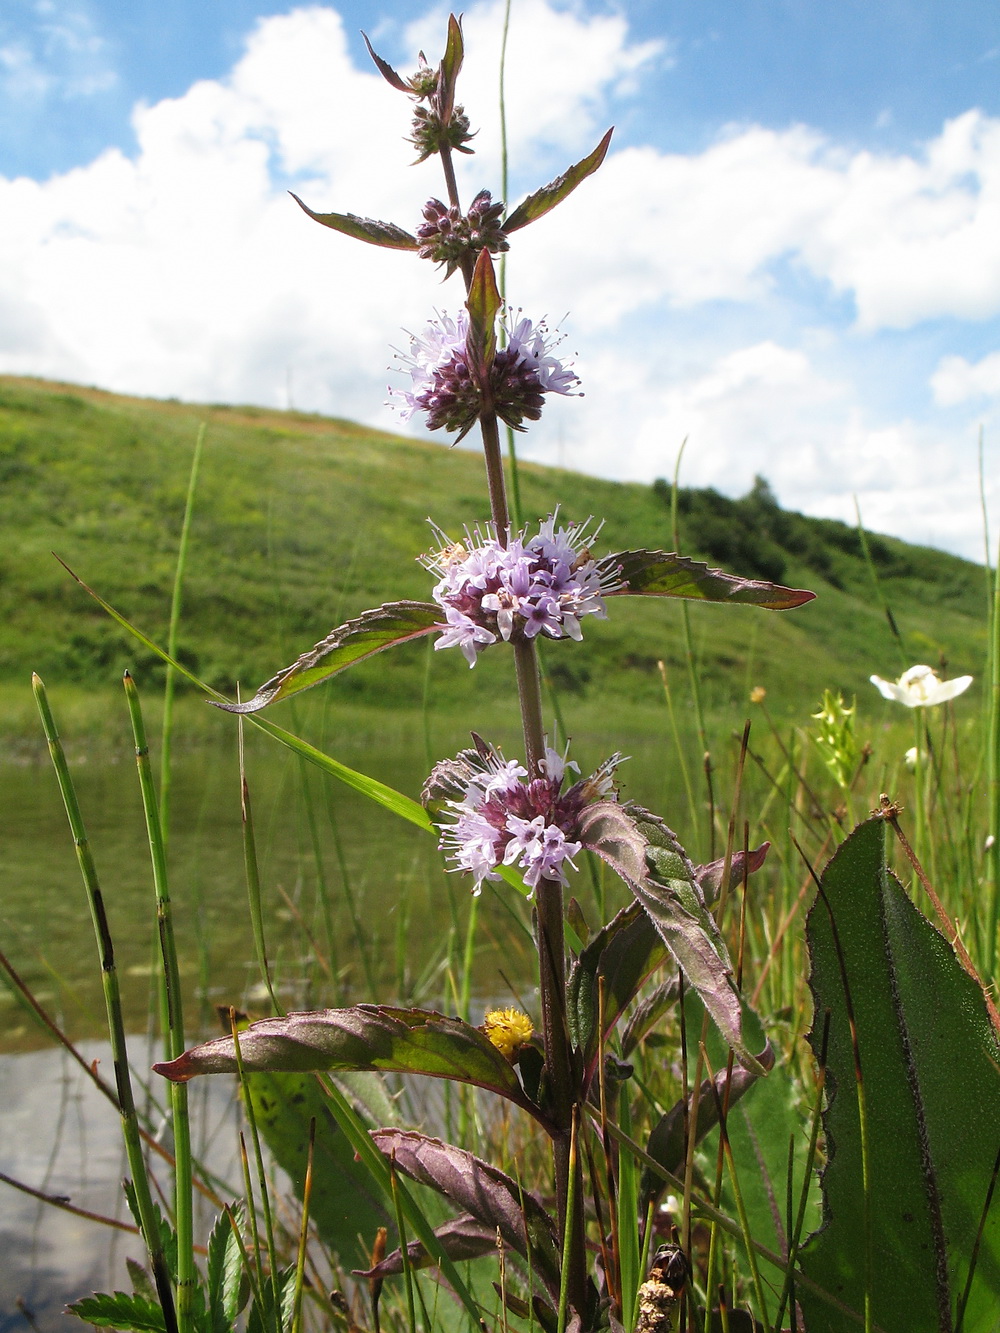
[186,270]
[957,381]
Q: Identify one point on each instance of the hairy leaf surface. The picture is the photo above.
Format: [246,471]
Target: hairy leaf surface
[664,574]
[481,1190]
[385,234]
[538,204]
[930,1064]
[370,633]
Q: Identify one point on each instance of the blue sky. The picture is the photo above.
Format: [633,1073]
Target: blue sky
[791,257]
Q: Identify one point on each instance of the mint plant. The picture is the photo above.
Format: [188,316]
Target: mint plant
[523,819]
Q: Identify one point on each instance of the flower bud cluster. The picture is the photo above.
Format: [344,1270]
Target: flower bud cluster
[431,134]
[446,236]
[541,585]
[500,819]
[444,387]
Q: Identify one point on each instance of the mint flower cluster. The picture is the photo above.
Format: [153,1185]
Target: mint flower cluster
[444,387]
[446,235]
[541,585]
[500,819]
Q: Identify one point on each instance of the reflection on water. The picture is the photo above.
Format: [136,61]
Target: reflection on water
[60,1135]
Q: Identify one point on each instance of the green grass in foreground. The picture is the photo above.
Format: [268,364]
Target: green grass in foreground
[302,521]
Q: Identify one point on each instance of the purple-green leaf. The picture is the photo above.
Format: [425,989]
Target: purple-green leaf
[668,1138]
[371,632]
[538,204]
[461,1238]
[710,876]
[665,574]
[366,1036]
[386,70]
[483,303]
[482,1191]
[647,856]
[451,63]
[385,234]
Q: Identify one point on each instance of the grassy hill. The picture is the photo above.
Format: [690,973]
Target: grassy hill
[301,521]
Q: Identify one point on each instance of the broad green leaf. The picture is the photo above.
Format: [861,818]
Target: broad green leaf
[930,1067]
[481,1190]
[538,204]
[367,1036]
[385,234]
[645,854]
[119,1311]
[344,1203]
[664,574]
[371,632]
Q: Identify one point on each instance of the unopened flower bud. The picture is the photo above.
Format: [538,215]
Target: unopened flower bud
[430,135]
[446,235]
[424,81]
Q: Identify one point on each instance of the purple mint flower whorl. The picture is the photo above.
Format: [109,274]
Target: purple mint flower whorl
[445,235]
[528,587]
[499,819]
[443,387]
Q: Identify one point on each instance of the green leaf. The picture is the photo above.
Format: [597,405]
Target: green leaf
[623,952]
[664,574]
[385,234]
[119,1311]
[367,1036]
[645,854]
[481,1190]
[930,1067]
[344,1203]
[538,204]
[225,1272]
[371,632]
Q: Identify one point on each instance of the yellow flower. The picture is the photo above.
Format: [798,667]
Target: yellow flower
[508,1030]
[758,694]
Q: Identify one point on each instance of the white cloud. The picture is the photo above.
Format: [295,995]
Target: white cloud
[956,380]
[187,270]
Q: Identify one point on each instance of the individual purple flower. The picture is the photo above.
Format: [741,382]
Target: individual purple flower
[541,585]
[443,386]
[498,818]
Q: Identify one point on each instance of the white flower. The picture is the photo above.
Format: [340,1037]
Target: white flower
[911,757]
[920,687]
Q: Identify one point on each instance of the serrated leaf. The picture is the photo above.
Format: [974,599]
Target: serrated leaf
[647,856]
[930,1064]
[538,204]
[367,1036]
[225,1272]
[665,574]
[384,234]
[119,1311]
[481,1190]
[344,1204]
[370,633]
[461,1238]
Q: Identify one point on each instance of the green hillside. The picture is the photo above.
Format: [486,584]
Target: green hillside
[302,521]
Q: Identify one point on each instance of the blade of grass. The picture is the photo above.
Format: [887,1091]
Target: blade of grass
[253,876]
[175,616]
[116,1023]
[187,1275]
